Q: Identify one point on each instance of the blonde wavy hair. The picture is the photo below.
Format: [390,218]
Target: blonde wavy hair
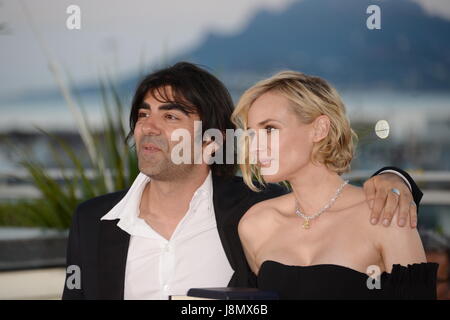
[310,98]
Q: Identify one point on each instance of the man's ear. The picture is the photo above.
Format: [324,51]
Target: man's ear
[321,128]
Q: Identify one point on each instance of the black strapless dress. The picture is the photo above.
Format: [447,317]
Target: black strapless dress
[330,281]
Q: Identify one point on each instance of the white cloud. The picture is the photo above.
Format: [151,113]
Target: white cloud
[440,8]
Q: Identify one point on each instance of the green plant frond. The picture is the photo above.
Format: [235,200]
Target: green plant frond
[119,110]
[113,162]
[115,158]
[88,190]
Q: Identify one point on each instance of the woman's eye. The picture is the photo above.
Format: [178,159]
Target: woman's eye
[269,129]
[142,114]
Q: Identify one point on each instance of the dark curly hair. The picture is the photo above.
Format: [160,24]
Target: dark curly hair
[191,86]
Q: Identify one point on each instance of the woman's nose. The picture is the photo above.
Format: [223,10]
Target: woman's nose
[253,144]
[258,141]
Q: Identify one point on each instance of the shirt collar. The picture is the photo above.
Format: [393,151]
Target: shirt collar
[128,207]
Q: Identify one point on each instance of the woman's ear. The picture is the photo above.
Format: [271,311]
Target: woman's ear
[321,128]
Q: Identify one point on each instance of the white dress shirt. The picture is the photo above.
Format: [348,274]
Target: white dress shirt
[192,258]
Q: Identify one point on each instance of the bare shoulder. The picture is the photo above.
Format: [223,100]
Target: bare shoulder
[354,208]
[260,212]
[396,245]
[380,234]
[353,201]
[262,216]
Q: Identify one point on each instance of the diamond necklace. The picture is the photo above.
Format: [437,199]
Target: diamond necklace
[306,224]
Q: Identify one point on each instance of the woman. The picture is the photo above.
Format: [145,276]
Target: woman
[316,242]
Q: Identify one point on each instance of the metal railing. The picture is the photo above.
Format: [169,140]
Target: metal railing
[16,184]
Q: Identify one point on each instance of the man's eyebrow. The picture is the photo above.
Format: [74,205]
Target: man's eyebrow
[176,106]
[168,106]
[144,105]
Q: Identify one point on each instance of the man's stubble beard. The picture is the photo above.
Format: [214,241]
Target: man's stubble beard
[160,166]
[171,172]
[164,169]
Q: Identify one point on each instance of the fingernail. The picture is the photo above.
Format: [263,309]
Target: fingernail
[402,222]
[386,222]
[373,221]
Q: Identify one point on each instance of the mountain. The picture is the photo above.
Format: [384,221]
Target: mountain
[330,38]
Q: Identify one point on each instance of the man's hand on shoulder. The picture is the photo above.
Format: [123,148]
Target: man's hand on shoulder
[388,195]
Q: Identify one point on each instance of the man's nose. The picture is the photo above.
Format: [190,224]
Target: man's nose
[151,127]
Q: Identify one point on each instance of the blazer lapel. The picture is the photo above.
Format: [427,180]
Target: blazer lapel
[112,259]
[230,203]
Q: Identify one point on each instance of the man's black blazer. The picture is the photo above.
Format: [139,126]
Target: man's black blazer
[99,247]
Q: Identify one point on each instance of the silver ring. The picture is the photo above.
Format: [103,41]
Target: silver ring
[412,203]
[396,191]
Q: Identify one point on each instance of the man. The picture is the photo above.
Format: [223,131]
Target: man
[176,227]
